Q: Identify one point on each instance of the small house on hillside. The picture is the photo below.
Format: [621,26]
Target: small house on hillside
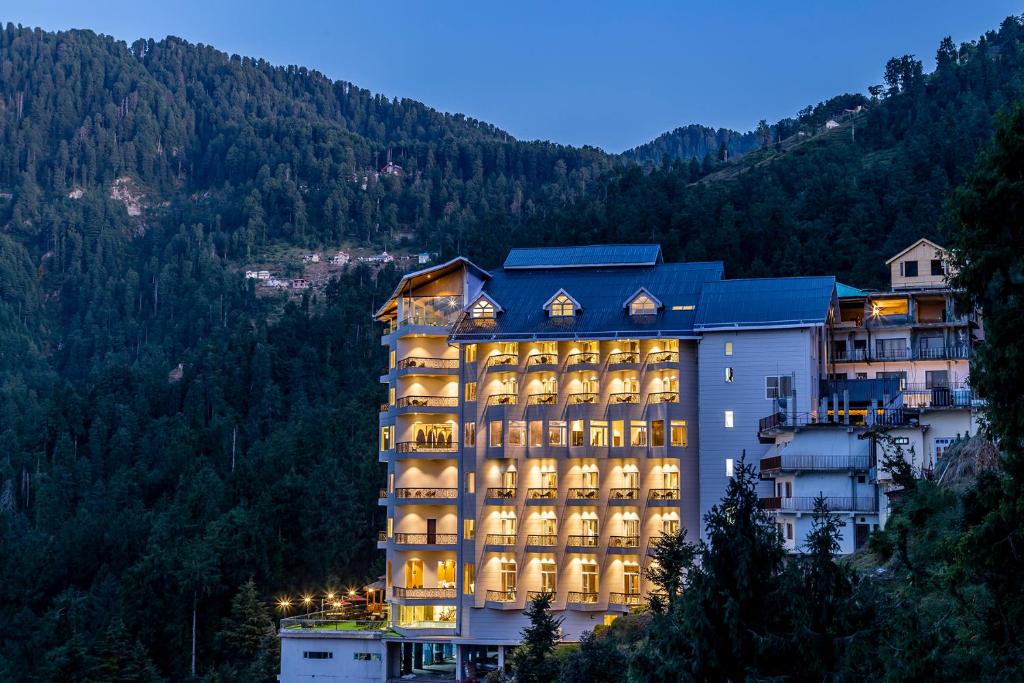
[340,259]
[300,283]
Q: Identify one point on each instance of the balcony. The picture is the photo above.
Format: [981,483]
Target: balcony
[427,311]
[952,395]
[426,539]
[382,537]
[624,358]
[813,463]
[502,400]
[584,494]
[659,357]
[422,365]
[320,622]
[413,404]
[629,543]
[500,495]
[623,496]
[403,593]
[582,598]
[627,599]
[443,496]
[533,595]
[541,496]
[582,360]
[583,541]
[547,360]
[541,540]
[500,540]
[806,504]
[955,352]
[545,399]
[767,427]
[413,448]
[384,407]
[663,397]
[663,497]
[502,596]
[502,361]
[576,399]
[624,397]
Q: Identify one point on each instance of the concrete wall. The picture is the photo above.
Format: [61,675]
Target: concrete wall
[343,664]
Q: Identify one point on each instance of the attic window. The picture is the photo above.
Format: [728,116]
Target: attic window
[562,307]
[482,310]
[643,305]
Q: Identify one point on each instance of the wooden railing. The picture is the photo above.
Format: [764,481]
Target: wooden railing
[632,599]
[423,593]
[542,539]
[500,539]
[425,447]
[428,363]
[429,492]
[427,402]
[501,596]
[426,539]
[582,598]
[583,541]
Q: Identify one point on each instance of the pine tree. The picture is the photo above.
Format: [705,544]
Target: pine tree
[531,660]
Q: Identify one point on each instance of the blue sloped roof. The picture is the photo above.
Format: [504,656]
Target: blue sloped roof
[847,290]
[588,256]
[601,292]
[765,302]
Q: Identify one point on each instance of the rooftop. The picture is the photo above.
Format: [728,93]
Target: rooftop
[589,256]
[765,302]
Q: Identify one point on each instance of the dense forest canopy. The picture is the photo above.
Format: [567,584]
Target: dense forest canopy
[137,180]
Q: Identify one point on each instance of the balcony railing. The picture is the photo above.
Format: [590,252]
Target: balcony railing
[623,357]
[546,399]
[423,593]
[428,363]
[425,447]
[663,397]
[382,493]
[502,596]
[583,541]
[624,494]
[324,621]
[582,398]
[426,539]
[891,417]
[582,598]
[500,539]
[952,395]
[663,494]
[427,402]
[631,599]
[501,493]
[812,463]
[533,595]
[446,494]
[623,541]
[583,493]
[583,358]
[835,504]
[382,536]
[542,359]
[542,493]
[662,357]
[952,352]
[542,539]
[501,400]
[503,360]
[385,407]
[624,397]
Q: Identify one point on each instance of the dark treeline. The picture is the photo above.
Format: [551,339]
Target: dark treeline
[166,436]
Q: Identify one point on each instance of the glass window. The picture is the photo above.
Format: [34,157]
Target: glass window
[642,305]
[494,438]
[728,348]
[469,529]
[385,438]
[778,386]
[631,578]
[637,433]
[516,433]
[470,353]
[589,526]
[548,479]
[729,467]
[618,429]
[562,307]
[909,268]
[657,433]
[469,578]
[469,434]
[536,433]
[391,396]
[576,433]
[482,309]
[470,391]
[391,360]
[937,268]
[934,379]
[548,576]
[679,432]
[728,419]
[556,433]
[589,578]
[729,375]
[508,576]
[598,433]
[589,478]
[470,482]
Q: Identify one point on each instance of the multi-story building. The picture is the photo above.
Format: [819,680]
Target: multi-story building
[899,358]
[547,421]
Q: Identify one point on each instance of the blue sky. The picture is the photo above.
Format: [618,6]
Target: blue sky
[611,74]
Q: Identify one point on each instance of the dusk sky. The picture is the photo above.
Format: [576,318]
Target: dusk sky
[608,74]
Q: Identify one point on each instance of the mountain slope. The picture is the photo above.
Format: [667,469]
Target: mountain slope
[692,142]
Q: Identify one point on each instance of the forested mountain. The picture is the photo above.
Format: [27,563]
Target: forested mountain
[692,142]
[135,181]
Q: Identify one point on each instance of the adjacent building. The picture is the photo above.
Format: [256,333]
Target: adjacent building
[547,421]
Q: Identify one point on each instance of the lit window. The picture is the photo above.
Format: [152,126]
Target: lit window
[469,529]
[556,433]
[470,391]
[657,433]
[516,433]
[728,375]
[643,305]
[471,353]
[548,576]
[577,433]
[728,419]
[494,439]
[468,577]
[679,432]
[609,619]
[729,467]
[469,434]
[536,433]
[638,433]
[562,307]
[483,309]
[470,482]
[391,360]
[598,433]
[391,527]
[728,348]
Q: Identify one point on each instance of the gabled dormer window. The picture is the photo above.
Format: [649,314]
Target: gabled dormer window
[561,305]
[643,303]
[482,310]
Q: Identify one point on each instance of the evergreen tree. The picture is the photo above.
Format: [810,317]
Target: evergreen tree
[531,660]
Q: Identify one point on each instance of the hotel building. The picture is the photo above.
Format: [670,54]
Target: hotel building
[549,420]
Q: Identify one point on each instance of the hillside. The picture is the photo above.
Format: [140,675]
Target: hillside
[692,142]
[166,435]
